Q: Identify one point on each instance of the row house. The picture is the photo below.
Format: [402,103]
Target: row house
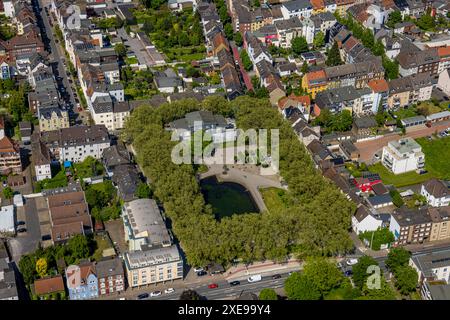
[42,159]
[411,89]
[24,20]
[76,143]
[314,82]
[25,44]
[323,22]
[247,19]
[52,118]
[358,101]
[257,51]
[418,61]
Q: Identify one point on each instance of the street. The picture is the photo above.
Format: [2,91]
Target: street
[57,61]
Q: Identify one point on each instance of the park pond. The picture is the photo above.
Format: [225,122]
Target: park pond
[227,198]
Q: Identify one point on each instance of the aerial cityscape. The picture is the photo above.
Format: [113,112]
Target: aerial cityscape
[224,150]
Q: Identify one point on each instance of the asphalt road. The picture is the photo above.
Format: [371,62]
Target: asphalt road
[56,60]
[225,290]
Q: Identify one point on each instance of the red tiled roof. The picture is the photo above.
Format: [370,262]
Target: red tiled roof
[378,85]
[306,100]
[444,52]
[49,285]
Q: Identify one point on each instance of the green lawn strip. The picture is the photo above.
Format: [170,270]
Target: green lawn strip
[400,180]
[274,199]
[437,156]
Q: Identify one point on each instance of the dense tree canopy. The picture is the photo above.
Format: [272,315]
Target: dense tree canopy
[334,57]
[317,224]
[360,270]
[268,294]
[299,287]
[397,257]
[299,45]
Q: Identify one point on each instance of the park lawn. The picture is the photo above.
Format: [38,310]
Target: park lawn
[275,199]
[400,180]
[437,156]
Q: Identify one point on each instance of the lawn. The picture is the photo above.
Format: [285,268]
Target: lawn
[103,243]
[406,113]
[400,180]
[437,156]
[275,199]
[90,167]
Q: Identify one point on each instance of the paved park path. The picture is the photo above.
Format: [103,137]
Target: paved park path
[252,182]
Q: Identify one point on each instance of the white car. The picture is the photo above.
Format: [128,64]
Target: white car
[169,290]
[352,262]
[254,278]
[198,269]
[155,294]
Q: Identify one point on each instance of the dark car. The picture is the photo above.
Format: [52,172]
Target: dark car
[143,296]
[20,223]
[235,283]
[21,230]
[276,276]
[348,273]
[46,237]
[201,273]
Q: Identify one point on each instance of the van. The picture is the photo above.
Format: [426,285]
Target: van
[254,278]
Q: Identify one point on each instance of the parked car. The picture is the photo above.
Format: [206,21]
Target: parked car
[155,294]
[348,273]
[201,273]
[213,286]
[352,262]
[254,278]
[21,230]
[20,223]
[235,283]
[198,269]
[143,296]
[169,290]
[276,276]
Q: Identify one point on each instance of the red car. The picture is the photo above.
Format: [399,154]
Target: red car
[213,286]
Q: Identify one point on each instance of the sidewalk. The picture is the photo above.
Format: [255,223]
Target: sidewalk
[242,272]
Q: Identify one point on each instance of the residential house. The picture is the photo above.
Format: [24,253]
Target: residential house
[110,275]
[8,287]
[366,181]
[69,214]
[403,156]
[76,143]
[50,287]
[440,229]
[288,29]
[82,281]
[338,99]
[436,192]
[319,152]
[25,131]
[410,90]
[126,178]
[348,149]
[380,93]
[257,51]
[114,156]
[444,58]
[42,160]
[10,160]
[314,82]
[364,126]
[433,269]
[365,219]
[7,221]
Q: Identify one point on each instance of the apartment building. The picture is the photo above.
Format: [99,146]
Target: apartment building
[444,58]
[296,8]
[287,30]
[437,193]
[10,160]
[403,156]
[76,143]
[42,161]
[440,229]
[52,118]
[418,61]
[153,266]
[314,82]
[411,226]
[110,275]
[410,89]
[109,113]
[434,274]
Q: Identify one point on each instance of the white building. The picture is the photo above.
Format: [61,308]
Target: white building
[7,226]
[436,192]
[444,81]
[77,143]
[403,156]
[144,225]
[110,114]
[296,8]
[8,8]
[365,220]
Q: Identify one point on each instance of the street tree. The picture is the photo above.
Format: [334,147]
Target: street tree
[360,270]
[397,257]
[268,294]
[190,295]
[406,279]
[299,287]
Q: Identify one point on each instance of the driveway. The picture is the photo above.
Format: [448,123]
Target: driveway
[28,241]
[367,149]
